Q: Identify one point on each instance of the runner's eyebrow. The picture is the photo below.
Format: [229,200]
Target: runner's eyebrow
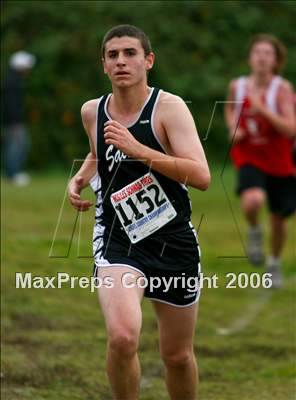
[125,49]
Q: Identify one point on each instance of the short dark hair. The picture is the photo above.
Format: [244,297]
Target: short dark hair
[127,30]
[279,48]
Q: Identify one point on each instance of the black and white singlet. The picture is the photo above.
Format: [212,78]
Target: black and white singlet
[142,217]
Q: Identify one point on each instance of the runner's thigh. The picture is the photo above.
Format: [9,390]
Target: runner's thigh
[176,326]
[121,306]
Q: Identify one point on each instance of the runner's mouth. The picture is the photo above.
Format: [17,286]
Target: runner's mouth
[122,73]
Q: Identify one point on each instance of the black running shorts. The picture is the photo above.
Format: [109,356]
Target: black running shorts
[171,262]
[280,191]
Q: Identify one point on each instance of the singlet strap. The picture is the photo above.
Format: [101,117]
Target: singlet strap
[240,93]
[148,109]
[272,92]
[101,104]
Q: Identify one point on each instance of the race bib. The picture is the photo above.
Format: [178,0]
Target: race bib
[142,207]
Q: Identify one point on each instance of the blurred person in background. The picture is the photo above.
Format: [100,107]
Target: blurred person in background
[16,139]
[261,122]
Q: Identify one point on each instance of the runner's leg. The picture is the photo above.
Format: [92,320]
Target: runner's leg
[123,317]
[176,330]
[278,234]
[252,201]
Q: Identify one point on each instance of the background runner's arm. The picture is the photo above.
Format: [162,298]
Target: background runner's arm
[229,109]
[284,122]
[89,167]
[236,134]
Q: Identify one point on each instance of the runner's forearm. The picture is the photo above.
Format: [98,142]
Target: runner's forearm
[280,123]
[231,122]
[88,169]
[182,170]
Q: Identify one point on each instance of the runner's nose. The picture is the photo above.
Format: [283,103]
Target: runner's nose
[120,59]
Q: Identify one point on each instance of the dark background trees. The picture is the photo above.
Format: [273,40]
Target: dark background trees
[199,47]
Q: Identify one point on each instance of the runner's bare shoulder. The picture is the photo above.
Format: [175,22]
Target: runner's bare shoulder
[169,98]
[232,87]
[89,111]
[286,85]
[169,104]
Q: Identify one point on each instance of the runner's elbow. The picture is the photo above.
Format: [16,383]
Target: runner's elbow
[289,131]
[202,181]
[206,182]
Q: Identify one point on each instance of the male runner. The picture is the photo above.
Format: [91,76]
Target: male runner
[261,122]
[147,149]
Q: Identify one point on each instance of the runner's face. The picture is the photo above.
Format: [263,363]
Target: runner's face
[125,62]
[262,58]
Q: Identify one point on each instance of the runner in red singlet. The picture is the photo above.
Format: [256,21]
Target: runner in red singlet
[261,122]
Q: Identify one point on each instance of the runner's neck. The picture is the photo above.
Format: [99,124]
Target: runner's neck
[260,81]
[128,101]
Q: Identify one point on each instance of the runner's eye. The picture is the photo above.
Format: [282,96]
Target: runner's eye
[112,54]
[130,53]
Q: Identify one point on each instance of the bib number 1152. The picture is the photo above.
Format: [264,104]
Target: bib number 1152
[142,207]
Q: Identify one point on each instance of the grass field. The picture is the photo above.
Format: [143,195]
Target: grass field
[53,340]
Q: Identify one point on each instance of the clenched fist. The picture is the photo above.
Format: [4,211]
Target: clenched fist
[122,139]
[74,189]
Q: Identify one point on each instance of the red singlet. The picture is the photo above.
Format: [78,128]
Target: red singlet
[263,146]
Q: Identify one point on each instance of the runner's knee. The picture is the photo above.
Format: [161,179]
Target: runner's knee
[253,199]
[177,358]
[123,342]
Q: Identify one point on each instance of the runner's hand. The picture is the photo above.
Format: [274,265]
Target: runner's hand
[122,139]
[74,189]
[237,135]
[256,103]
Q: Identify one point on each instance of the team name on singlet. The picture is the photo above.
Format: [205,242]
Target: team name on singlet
[114,156]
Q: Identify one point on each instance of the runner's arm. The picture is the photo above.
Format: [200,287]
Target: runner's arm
[284,121]
[188,163]
[235,133]
[229,109]
[88,168]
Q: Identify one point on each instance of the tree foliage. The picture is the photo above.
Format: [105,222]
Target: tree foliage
[199,47]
